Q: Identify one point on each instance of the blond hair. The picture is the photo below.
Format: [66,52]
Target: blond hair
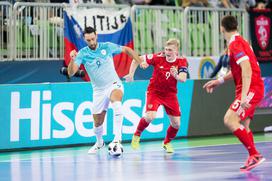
[173,41]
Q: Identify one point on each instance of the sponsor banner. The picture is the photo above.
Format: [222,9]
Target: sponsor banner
[201,67]
[51,114]
[267,100]
[112,25]
[260,34]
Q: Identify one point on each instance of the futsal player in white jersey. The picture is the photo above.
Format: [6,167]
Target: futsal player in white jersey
[97,59]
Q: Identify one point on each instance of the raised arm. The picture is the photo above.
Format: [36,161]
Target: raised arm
[132,69]
[72,67]
[135,57]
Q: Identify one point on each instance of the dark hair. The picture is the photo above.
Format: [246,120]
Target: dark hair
[89,29]
[229,23]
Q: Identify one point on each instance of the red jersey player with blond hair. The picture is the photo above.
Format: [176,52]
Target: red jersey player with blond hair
[162,90]
[249,89]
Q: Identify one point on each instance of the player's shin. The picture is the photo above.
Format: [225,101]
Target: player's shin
[117,120]
[242,135]
[141,127]
[250,135]
[98,131]
[171,134]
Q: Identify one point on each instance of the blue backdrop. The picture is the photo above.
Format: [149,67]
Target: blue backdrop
[48,114]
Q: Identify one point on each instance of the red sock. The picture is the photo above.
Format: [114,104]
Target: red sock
[171,134]
[141,126]
[250,135]
[242,135]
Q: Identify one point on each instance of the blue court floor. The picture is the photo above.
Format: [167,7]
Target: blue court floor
[202,160]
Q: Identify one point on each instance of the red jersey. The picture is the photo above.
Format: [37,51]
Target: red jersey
[162,81]
[240,50]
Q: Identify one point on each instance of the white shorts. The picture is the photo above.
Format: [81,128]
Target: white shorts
[101,98]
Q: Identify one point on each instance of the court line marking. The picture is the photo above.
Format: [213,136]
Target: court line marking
[30,159]
[203,146]
[151,161]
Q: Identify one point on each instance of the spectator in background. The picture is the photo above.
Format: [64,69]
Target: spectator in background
[76,2]
[222,67]
[150,2]
[260,5]
[220,3]
[199,3]
[263,5]
[59,1]
[99,1]
[243,4]
[269,5]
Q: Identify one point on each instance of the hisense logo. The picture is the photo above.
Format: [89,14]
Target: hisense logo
[41,109]
[49,120]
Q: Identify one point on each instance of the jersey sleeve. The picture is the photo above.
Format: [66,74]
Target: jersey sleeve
[237,52]
[79,58]
[114,48]
[183,65]
[149,58]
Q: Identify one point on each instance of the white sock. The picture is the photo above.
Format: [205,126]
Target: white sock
[117,120]
[98,131]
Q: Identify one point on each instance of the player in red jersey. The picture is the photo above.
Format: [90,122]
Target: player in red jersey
[162,90]
[249,89]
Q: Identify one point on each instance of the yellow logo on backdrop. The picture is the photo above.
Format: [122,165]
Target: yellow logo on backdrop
[206,67]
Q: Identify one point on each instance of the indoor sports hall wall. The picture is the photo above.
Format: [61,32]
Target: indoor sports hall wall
[208,110]
[59,114]
[15,72]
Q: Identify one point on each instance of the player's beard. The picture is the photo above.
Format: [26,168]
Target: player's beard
[93,46]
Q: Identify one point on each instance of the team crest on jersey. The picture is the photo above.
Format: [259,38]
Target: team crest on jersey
[262,31]
[150,106]
[103,52]
[149,56]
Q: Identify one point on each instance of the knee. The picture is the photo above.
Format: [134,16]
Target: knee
[227,120]
[150,116]
[175,123]
[98,122]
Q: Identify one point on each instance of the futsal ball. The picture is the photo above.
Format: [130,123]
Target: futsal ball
[115,149]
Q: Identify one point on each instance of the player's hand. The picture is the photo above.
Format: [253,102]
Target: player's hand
[174,71]
[73,54]
[129,78]
[245,104]
[144,65]
[209,86]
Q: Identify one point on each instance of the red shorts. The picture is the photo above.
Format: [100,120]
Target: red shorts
[254,98]
[170,103]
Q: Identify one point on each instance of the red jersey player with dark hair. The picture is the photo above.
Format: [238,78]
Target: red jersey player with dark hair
[162,90]
[249,89]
